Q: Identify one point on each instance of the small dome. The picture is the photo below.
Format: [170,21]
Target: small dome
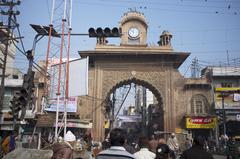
[165,32]
[133,15]
[165,38]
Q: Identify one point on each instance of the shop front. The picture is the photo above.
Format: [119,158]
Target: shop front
[201,126]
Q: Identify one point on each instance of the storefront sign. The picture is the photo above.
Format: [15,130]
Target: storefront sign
[231,97]
[200,122]
[76,125]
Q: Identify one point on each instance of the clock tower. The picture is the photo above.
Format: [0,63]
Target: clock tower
[134,29]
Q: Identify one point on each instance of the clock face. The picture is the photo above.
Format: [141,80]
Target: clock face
[133,32]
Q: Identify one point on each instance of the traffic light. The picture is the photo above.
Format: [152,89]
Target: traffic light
[24,98]
[107,32]
[28,81]
[15,105]
[27,93]
[220,116]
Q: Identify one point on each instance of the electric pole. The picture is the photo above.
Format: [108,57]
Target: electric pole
[195,68]
[9,36]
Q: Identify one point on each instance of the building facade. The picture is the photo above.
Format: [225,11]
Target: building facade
[13,79]
[226,83]
[153,67]
[10,54]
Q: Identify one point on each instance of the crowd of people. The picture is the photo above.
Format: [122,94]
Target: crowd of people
[115,146]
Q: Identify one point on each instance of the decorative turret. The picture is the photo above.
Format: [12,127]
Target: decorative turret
[134,29]
[165,39]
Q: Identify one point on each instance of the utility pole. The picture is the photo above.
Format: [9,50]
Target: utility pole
[112,108]
[223,112]
[195,68]
[10,13]
[228,58]
[144,110]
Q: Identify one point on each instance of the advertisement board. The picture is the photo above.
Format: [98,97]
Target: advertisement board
[78,78]
[71,107]
[231,98]
[201,122]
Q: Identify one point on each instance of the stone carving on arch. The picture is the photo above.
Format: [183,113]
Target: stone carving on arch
[154,81]
[200,97]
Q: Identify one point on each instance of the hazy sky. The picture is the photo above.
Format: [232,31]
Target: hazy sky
[206,28]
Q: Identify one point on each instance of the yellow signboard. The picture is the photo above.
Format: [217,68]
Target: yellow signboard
[201,122]
[231,97]
[227,89]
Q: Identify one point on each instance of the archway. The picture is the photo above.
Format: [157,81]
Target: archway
[138,119]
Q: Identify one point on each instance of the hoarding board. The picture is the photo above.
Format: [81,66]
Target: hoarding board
[201,122]
[71,106]
[78,78]
[231,97]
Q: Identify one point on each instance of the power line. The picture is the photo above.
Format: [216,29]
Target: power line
[174,4]
[164,9]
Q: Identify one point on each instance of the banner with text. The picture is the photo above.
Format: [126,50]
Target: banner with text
[201,122]
[231,100]
[71,105]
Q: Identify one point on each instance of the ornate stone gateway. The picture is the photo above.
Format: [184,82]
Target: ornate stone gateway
[133,61]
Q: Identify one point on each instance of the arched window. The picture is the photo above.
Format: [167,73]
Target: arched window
[199,105]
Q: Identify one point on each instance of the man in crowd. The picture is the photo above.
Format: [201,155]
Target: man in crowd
[196,151]
[8,143]
[153,143]
[64,149]
[116,151]
[144,153]
[173,145]
[162,151]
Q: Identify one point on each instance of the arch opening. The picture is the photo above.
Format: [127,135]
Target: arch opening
[136,106]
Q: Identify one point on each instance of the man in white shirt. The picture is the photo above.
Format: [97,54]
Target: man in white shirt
[144,152]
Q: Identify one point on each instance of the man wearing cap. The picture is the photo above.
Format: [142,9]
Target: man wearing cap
[116,151]
[64,150]
[196,151]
